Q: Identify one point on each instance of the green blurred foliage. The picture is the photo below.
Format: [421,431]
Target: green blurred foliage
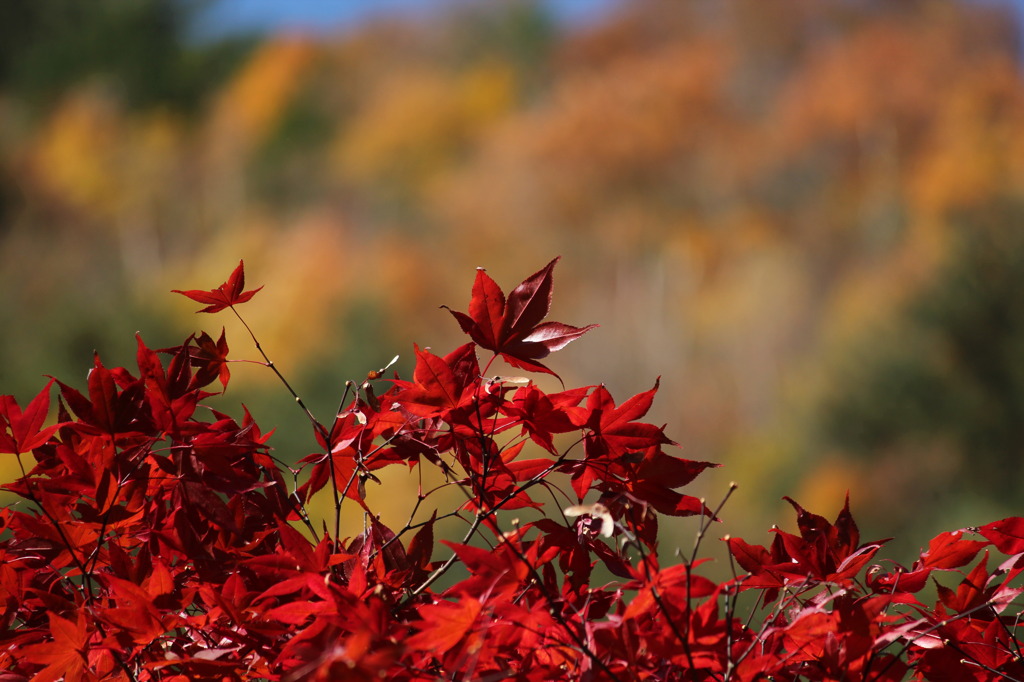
[136,47]
[287,169]
[522,34]
[942,386]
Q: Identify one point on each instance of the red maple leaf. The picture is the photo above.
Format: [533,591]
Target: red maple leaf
[512,328]
[946,551]
[656,477]
[445,624]
[226,295]
[613,429]
[823,552]
[440,384]
[1007,535]
[614,442]
[544,414]
[210,359]
[107,410]
[973,591]
[26,431]
[65,654]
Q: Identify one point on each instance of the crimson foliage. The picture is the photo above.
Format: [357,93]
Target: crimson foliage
[160,539]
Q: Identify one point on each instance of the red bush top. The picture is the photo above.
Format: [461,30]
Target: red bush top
[160,539]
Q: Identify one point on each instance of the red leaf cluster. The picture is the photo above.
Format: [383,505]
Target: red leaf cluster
[159,538]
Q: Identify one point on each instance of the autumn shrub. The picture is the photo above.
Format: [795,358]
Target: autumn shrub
[157,538]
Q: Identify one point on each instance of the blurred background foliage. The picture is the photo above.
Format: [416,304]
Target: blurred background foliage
[806,216]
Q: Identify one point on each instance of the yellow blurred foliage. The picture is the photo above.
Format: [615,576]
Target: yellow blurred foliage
[253,101]
[74,157]
[416,119]
[824,487]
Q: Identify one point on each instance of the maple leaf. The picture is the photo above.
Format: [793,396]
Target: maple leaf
[226,295]
[822,552]
[441,384]
[1007,535]
[445,624]
[26,431]
[134,611]
[615,442]
[499,571]
[512,328]
[613,429]
[946,551]
[828,552]
[675,583]
[210,359]
[752,558]
[343,460]
[655,478]
[973,591]
[422,544]
[64,655]
[542,415]
[106,410]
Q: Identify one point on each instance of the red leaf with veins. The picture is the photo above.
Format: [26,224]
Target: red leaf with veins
[946,551]
[64,655]
[543,415]
[211,360]
[440,384]
[26,428]
[822,552]
[513,328]
[444,624]
[973,590]
[226,295]
[951,550]
[751,558]
[1007,535]
[658,473]
[613,429]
